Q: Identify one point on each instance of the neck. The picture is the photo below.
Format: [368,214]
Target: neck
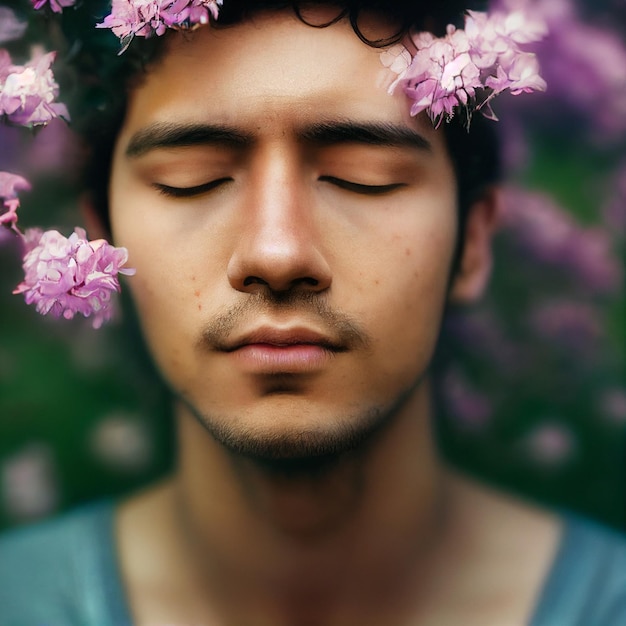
[298,536]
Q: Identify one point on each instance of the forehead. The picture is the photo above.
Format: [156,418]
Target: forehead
[268,73]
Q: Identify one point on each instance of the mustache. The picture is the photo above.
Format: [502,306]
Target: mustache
[342,329]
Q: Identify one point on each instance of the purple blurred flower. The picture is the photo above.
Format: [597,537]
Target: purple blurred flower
[27,93]
[56,150]
[68,276]
[10,184]
[471,408]
[549,235]
[10,27]
[56,5]
[575,326]
[122,441]
[585,66]
[481,331]
[28,482]
[550,444]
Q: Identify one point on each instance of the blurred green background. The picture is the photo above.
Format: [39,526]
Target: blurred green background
[531,383]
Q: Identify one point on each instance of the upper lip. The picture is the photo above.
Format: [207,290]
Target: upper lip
[283,337]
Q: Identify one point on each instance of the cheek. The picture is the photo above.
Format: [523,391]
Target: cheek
[405,289]
[163,288]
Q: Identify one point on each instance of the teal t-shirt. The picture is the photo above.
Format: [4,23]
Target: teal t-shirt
[65,573]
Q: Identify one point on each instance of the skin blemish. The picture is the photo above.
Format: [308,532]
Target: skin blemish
[407,252]
[196,293]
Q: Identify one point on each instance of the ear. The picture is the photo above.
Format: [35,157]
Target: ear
[474,268]
[96,229]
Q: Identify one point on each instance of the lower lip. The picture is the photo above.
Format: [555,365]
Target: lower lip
[266,358]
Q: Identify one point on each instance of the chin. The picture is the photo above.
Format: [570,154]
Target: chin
[282,446]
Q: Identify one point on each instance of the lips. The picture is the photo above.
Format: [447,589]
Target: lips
[270,350]
[284,338]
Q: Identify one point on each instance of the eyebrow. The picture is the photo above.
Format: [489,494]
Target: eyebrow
[370,133]
[165,135]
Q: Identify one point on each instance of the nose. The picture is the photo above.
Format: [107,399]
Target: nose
[278,248]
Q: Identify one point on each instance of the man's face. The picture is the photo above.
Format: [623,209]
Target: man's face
[292,229]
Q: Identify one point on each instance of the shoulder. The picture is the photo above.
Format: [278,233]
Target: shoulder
[587,583]
[55,572]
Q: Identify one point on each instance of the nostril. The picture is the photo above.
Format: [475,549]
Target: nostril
[254,280]
[309,281]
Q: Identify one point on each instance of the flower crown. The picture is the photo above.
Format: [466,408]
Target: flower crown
[459,73]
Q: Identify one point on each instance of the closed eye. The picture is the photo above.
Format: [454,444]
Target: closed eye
[188,192]
[371,190]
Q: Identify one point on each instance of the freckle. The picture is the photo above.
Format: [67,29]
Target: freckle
[199,307]
[193,278]
[377,282]
[407,252]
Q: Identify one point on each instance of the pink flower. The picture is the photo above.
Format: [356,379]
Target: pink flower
[56,5]
[133,17]
[68,276]
[497,35]
[10,184]
[487,37]
[465,69]
[442,76]
[144,18]
[521,75]
[184,13]
[27,93]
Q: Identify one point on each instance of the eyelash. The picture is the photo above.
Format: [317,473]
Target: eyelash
[189,192]
[368,190]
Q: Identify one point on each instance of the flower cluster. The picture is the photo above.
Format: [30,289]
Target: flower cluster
[144,18]
[62,276]
[68,276]
[28,92]
[467,68]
